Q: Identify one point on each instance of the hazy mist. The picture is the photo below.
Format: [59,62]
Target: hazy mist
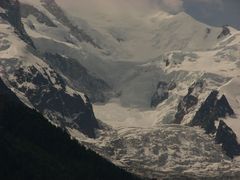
[213,12]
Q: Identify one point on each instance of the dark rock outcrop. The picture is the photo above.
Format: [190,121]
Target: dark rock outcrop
[51,97]
[228,139]
[188,101]
[160,95]
[208,31]
[171,86]
[162,92]
[223,107]
[207,115]
[210,111]
[13,16]
[225,32]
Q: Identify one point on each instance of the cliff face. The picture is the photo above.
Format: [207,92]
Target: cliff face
[162,92]
[228,139]
[210,111]
[50,97]
[189,101]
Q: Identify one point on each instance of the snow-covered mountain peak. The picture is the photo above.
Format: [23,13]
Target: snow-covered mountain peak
[136,37]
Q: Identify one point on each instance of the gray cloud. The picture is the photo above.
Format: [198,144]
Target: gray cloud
[212,12]
[173,6]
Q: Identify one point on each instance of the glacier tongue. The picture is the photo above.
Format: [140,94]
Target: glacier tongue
[165,151]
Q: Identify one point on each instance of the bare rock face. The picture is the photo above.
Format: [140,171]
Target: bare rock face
[52,99]
[210,111]
[162,92]
[160,95]
[228,139]
[223,107]
[225,32]
[206,115]
[188,101]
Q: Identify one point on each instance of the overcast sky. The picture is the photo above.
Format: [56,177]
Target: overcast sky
[213,12]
